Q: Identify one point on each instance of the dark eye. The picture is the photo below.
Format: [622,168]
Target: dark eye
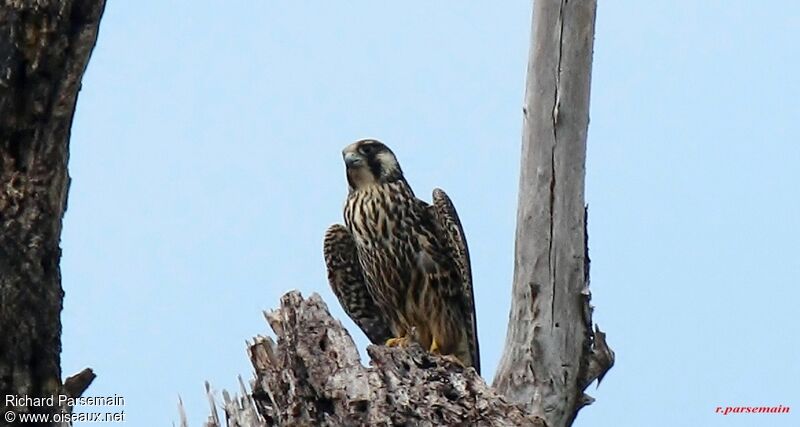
[368,149]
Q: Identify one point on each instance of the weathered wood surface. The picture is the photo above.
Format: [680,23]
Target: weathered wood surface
[313,376]
[44,49]
[551,353]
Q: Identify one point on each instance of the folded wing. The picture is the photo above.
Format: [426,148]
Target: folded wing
[445,214]
[347,281]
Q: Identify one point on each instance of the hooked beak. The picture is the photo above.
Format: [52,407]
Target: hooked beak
[352,159]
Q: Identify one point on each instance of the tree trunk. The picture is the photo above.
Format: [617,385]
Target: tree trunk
[551,354]
[44,48]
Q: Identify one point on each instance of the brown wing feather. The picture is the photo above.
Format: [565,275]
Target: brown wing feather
[447,217]
[347,281]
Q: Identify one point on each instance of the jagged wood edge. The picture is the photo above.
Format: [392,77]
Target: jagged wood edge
[313,375]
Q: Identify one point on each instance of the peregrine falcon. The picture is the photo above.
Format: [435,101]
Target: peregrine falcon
[400,267]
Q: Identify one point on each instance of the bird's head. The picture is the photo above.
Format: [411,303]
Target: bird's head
[370,162]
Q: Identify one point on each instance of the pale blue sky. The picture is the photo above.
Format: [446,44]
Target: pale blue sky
[206,165]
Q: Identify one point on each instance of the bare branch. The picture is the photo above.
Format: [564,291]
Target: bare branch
[75,385]
[551,353]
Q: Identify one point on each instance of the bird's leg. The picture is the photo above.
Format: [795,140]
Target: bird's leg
[434,347]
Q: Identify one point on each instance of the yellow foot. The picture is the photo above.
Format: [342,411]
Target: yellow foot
[434,347]
[397,342]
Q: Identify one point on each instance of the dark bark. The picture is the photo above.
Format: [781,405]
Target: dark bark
[44,49]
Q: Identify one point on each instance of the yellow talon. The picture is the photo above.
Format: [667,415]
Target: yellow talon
[397,342]
[434,347]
